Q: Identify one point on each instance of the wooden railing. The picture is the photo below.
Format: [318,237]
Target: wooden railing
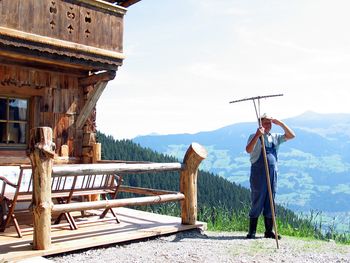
[41,155]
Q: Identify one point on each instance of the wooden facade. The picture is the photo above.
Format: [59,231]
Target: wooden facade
[56,58]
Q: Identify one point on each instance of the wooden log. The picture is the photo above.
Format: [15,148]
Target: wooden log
[144,191]
[96,156]
[96,149]
[106,204]
[93,79]
[188,183]
[41,155]
[114,168]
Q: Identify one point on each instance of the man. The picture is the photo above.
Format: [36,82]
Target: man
[258,184]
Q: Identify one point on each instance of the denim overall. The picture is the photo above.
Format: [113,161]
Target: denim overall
[258,183]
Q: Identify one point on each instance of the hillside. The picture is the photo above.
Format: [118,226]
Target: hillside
[314,168]
[214,192]
[211,189]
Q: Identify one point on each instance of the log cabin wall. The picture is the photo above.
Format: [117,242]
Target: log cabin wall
[55,100]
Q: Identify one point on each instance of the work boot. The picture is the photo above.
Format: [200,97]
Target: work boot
[268,228]
[252,228]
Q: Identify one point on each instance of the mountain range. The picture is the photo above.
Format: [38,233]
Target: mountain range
[314,168]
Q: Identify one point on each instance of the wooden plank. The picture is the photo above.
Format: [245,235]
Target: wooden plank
[14,91]
[115,168]
[13,160]
[134,225]
[11,14]
[34,112]
[58,43]
[27,22]
[144,191]
[106,204]
[117,30]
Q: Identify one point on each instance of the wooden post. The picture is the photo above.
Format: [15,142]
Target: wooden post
[96,152]
[96,156]
[41,153]
[188,182]
[65,151]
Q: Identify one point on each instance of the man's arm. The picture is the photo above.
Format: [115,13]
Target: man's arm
[250,146]
[288,132]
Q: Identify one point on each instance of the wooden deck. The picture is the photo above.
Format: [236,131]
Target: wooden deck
[134,225]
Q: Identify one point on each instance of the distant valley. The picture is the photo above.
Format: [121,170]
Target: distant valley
[314,167]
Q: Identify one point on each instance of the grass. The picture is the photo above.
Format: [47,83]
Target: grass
[289,224]
[219,219]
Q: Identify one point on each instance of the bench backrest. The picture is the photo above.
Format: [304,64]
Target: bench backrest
[65,183]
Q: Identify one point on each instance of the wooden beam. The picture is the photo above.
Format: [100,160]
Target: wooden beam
[144,191]
[22,91]
[52,62]
[13,160]
[114,168]
[90,104]
[60,44]
[93,79]
[106,204]
[97,152]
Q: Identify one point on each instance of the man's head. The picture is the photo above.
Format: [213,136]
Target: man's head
[266,122]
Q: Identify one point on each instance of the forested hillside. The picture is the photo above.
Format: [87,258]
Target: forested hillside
[214,192]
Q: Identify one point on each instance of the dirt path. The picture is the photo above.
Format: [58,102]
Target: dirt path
[212,247]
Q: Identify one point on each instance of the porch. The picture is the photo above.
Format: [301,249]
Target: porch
[134,225]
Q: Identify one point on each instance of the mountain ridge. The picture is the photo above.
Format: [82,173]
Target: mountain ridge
[314,167]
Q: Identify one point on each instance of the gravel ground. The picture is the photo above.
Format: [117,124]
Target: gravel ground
[205,246]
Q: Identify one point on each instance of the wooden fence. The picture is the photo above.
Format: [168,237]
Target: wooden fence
[42,154]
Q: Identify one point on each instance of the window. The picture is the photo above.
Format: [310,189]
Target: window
[13,122]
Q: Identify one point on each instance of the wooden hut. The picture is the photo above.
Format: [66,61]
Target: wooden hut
[56,57]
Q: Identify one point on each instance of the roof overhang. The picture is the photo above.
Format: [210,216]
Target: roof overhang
[123,3]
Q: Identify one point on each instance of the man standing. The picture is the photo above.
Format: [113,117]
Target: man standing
[258,184]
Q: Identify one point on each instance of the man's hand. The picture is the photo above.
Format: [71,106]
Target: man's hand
[260,131]
[288,132]
[277,122]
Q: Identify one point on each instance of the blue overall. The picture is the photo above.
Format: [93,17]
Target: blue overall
[258,183]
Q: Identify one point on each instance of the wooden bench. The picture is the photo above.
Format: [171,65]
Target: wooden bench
[64,189]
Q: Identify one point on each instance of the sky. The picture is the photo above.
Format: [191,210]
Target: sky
[187,59]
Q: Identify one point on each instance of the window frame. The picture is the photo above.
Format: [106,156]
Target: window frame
[15,146]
